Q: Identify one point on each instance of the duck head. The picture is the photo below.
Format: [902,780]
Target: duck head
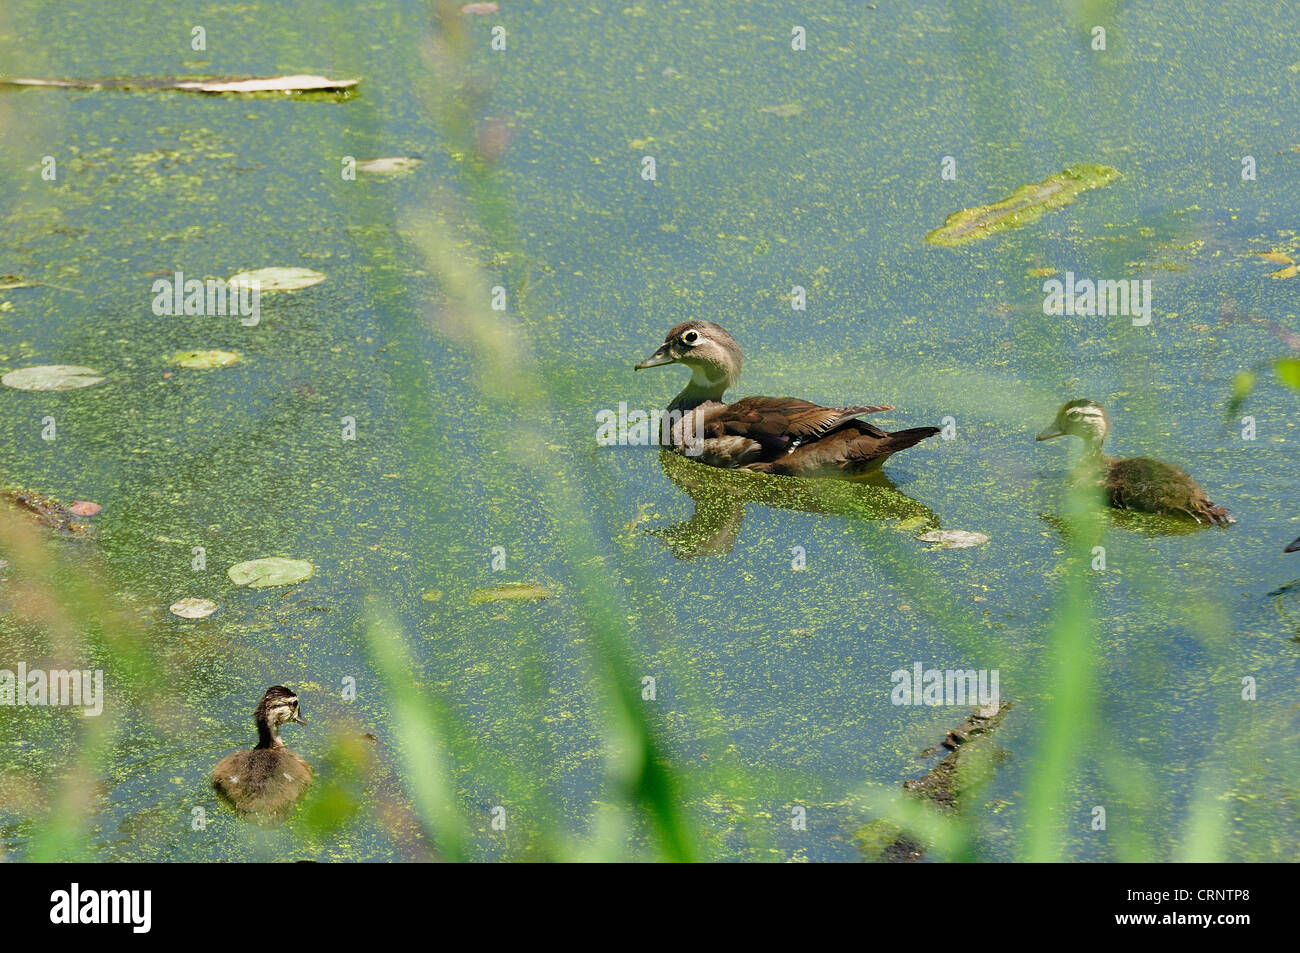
[1079,418]
[278,706]
[708,350]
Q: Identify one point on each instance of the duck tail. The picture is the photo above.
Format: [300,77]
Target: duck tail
[866,464]
[902,439]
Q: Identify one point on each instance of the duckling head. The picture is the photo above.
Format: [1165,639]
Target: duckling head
[707,349]
[1079,418]
[278,706]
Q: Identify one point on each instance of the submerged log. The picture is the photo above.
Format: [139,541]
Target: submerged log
[298,83]
[43,510]
[948,785]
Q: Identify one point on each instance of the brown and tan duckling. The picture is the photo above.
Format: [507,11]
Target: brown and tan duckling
[270,777]
[1139,483]
[782,435]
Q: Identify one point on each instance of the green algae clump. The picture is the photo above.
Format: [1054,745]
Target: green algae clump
[514,590]
[1024,206]
[204,360]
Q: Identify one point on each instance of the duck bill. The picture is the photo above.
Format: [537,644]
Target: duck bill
[1051,433]
[657,359]
[1294,547]
[299,720]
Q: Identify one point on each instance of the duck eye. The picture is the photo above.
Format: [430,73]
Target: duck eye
[690,337]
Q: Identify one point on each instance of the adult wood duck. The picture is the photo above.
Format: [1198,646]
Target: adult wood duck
[1140,483]
[270,777]
[781,435]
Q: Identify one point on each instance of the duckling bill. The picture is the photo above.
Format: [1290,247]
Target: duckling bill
[270,777]
[781,435]
[1139,483]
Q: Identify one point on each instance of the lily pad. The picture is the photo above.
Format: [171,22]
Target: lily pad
[390,165]
[1025,205]
[278,279]
[270,571]
[1288,272]
[8,282]
[1277,257]
[953,538]
[518,590]
[202,360]
[192,608]
[51,377]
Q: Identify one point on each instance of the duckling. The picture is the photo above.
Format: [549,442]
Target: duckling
[270,777]
[781,435]
[1140,483]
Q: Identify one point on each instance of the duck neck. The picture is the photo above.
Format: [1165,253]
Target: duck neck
[702,389]
[267,737]
[1092,461]
[1092,447]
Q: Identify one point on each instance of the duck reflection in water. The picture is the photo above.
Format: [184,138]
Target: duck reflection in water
[721,496]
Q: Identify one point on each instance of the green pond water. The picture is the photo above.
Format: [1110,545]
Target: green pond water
[774,168]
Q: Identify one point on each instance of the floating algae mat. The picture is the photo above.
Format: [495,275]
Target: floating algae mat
[1023,206]
[515,590]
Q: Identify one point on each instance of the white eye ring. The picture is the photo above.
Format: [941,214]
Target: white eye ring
[691,337]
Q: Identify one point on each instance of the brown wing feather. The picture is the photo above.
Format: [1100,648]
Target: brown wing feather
[795,437]
[778,422]
[853,450]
